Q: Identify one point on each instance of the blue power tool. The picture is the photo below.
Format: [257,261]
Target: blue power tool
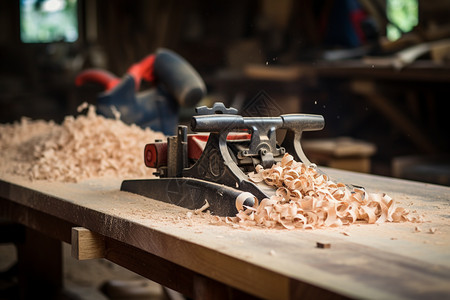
[176,84]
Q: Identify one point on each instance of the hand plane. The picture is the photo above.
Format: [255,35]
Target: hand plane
[212,164]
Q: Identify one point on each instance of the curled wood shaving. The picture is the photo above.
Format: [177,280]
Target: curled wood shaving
[305,198]
[240,200]
[205,206]
[81,147]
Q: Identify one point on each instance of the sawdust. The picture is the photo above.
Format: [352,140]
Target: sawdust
[82,147]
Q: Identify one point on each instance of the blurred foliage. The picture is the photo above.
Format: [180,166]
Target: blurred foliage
[46,21]
[404,14]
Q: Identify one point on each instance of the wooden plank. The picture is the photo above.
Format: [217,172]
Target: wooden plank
[385,261]
[87,244]
[168,274]
[357,164]
[50,225]
[419,71]
[340,147]
[340,153]
[278,73]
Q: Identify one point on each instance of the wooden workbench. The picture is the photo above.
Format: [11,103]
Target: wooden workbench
[202,260]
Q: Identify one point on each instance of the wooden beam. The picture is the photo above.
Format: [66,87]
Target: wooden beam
[189,283]
[52,226]
[368,90]
[87,244]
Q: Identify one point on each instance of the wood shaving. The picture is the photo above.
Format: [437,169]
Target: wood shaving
[323,245]
[240,200]
[201,209]
[81,147]
[432,230]
[307,199]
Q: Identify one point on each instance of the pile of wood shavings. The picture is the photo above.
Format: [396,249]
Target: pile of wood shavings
[80,148]
[307,199]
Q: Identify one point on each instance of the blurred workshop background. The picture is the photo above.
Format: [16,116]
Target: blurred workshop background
[378,71]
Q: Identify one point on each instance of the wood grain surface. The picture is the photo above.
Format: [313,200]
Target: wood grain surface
[386,261]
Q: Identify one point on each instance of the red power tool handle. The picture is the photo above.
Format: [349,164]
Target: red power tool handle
[105,78]
[143,70]
[139,71]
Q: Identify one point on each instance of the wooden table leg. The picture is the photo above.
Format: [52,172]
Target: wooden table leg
[40,266]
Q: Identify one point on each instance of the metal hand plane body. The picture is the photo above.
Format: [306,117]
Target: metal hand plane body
[213,163]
